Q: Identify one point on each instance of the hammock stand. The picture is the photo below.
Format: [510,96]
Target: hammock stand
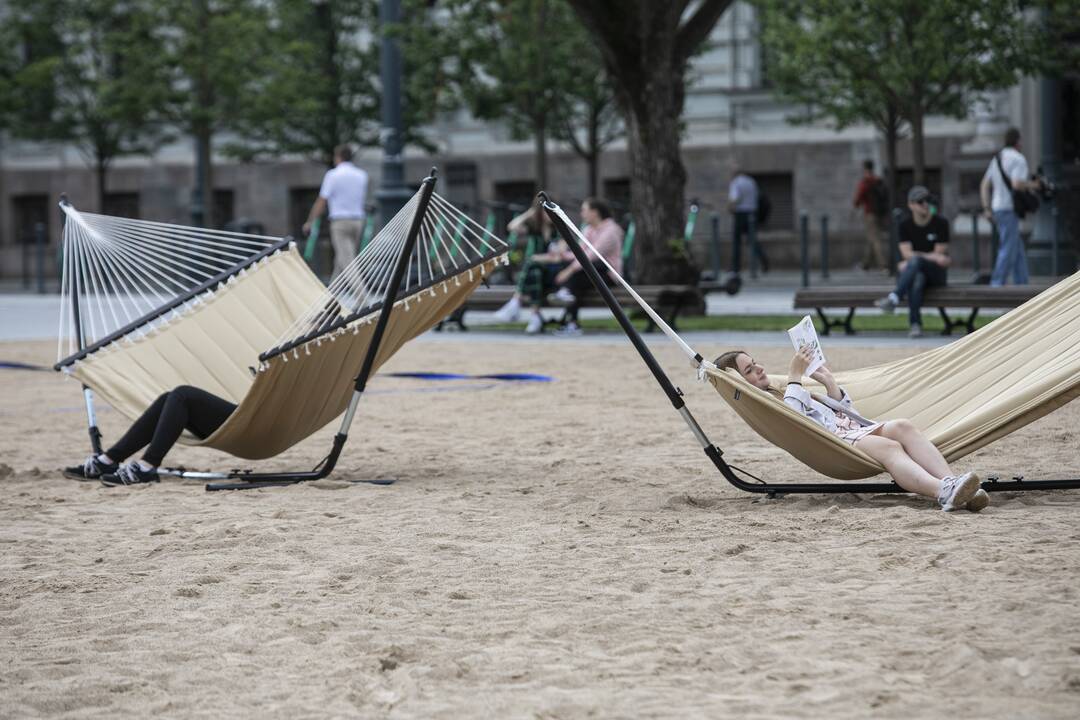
[248,479]
[675,395]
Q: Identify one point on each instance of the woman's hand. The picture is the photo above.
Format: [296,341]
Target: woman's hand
[824,376]
[799,363]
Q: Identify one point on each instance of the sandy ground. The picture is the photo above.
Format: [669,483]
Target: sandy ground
[552,550]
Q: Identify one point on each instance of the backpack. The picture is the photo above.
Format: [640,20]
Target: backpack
[764,209]
[879,198]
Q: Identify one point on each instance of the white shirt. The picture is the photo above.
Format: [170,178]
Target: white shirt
[743,192]
[1015,166]
[822,410]
[345,188]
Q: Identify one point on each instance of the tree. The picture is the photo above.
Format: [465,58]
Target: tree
[646,47]
[316,89]
[92,76]
[214,48]
[871,60]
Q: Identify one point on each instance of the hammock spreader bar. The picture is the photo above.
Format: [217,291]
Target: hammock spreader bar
[249,480]
[715,454]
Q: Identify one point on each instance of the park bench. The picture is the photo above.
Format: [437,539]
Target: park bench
[973,297]
[669,301]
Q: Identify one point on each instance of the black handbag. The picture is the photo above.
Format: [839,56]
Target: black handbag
[1024,201]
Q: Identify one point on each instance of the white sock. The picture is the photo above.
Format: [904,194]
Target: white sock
[143,465]
[104,459]
[894,299]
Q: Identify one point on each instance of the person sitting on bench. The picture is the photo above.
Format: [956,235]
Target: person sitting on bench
[607,237]
[183,408]
[913,461]
[924,247]
[537,275]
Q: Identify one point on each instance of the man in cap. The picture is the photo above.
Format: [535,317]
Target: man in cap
[924,251]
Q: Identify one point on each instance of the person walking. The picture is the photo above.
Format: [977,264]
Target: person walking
[343,191]
[868,198]
[743,204]
[924,249]
[1007,173]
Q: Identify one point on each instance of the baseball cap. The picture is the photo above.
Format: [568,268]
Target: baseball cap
[917,194]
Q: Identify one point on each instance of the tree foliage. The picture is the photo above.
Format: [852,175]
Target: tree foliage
[875,61]
[90,73]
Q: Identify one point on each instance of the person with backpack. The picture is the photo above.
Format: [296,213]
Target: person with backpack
[743,196]
[1007,195]
[872,197]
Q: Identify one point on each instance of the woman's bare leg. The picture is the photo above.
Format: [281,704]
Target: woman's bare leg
[917,447]
[907,473]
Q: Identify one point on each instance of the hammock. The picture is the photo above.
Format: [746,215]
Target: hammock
[148,306]
[962,396]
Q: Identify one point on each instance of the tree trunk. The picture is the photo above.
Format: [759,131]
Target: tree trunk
[593,149]
[540,145]
[205,182]
[101,170]
[918,149]
[892,138]
[658,178]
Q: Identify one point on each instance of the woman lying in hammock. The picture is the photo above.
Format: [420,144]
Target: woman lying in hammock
[184,408]
[913,461]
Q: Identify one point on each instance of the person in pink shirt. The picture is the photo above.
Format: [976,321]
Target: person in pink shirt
[607,237]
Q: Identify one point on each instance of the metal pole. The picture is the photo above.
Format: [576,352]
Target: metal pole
[975,259]
[392,194]
[715,247]
[39,243]
[824,247]
[804,247]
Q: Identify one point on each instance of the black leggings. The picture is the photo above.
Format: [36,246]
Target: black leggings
[580,285]
[185,408]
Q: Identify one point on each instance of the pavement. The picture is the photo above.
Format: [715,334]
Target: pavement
[26,316]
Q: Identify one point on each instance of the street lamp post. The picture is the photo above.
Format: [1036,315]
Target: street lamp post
[392,193]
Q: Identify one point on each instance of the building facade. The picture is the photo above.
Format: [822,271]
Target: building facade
[730,115]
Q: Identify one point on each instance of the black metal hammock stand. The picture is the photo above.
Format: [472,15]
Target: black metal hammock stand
[573,238]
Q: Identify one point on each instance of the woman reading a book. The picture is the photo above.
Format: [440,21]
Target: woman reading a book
[913,461]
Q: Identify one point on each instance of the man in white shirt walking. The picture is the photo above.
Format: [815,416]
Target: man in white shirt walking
[344,189]
[743,204]
[997,203]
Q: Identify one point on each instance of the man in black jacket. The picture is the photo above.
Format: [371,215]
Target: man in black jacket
[924,249]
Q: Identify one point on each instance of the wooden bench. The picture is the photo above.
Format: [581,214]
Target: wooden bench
[950,296]
[668,301]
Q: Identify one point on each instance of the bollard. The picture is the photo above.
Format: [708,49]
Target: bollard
[714,248]
[804,247]
[825,247]
[975,259]
[39,244]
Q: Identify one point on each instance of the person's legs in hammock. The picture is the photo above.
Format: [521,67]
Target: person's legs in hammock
[950,491]
[184,408]
[138,436]
[918,448]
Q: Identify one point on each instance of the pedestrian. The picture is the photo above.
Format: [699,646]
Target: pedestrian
[1006,174]
[869,196]
[344,190]
[743,204]
[924,252]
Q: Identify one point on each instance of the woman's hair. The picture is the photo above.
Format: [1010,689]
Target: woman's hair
[602,209]
[727,360]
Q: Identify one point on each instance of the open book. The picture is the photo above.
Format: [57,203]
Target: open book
[806,334]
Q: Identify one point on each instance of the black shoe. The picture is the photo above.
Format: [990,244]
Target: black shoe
[130,474]
[92,469]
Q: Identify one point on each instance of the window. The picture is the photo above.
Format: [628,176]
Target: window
[300,202]
[29,211]
[121,204]
[779,189]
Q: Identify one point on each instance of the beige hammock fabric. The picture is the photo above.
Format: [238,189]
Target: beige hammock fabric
[963,396]
[217,345]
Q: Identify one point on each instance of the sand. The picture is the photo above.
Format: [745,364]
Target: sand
[556,550]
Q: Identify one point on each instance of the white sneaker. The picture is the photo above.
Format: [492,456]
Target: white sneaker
[536,324]
[888,303]
[510,311]
[564,295]
[958,490]
[915,331]
[570,329]
[978,501]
